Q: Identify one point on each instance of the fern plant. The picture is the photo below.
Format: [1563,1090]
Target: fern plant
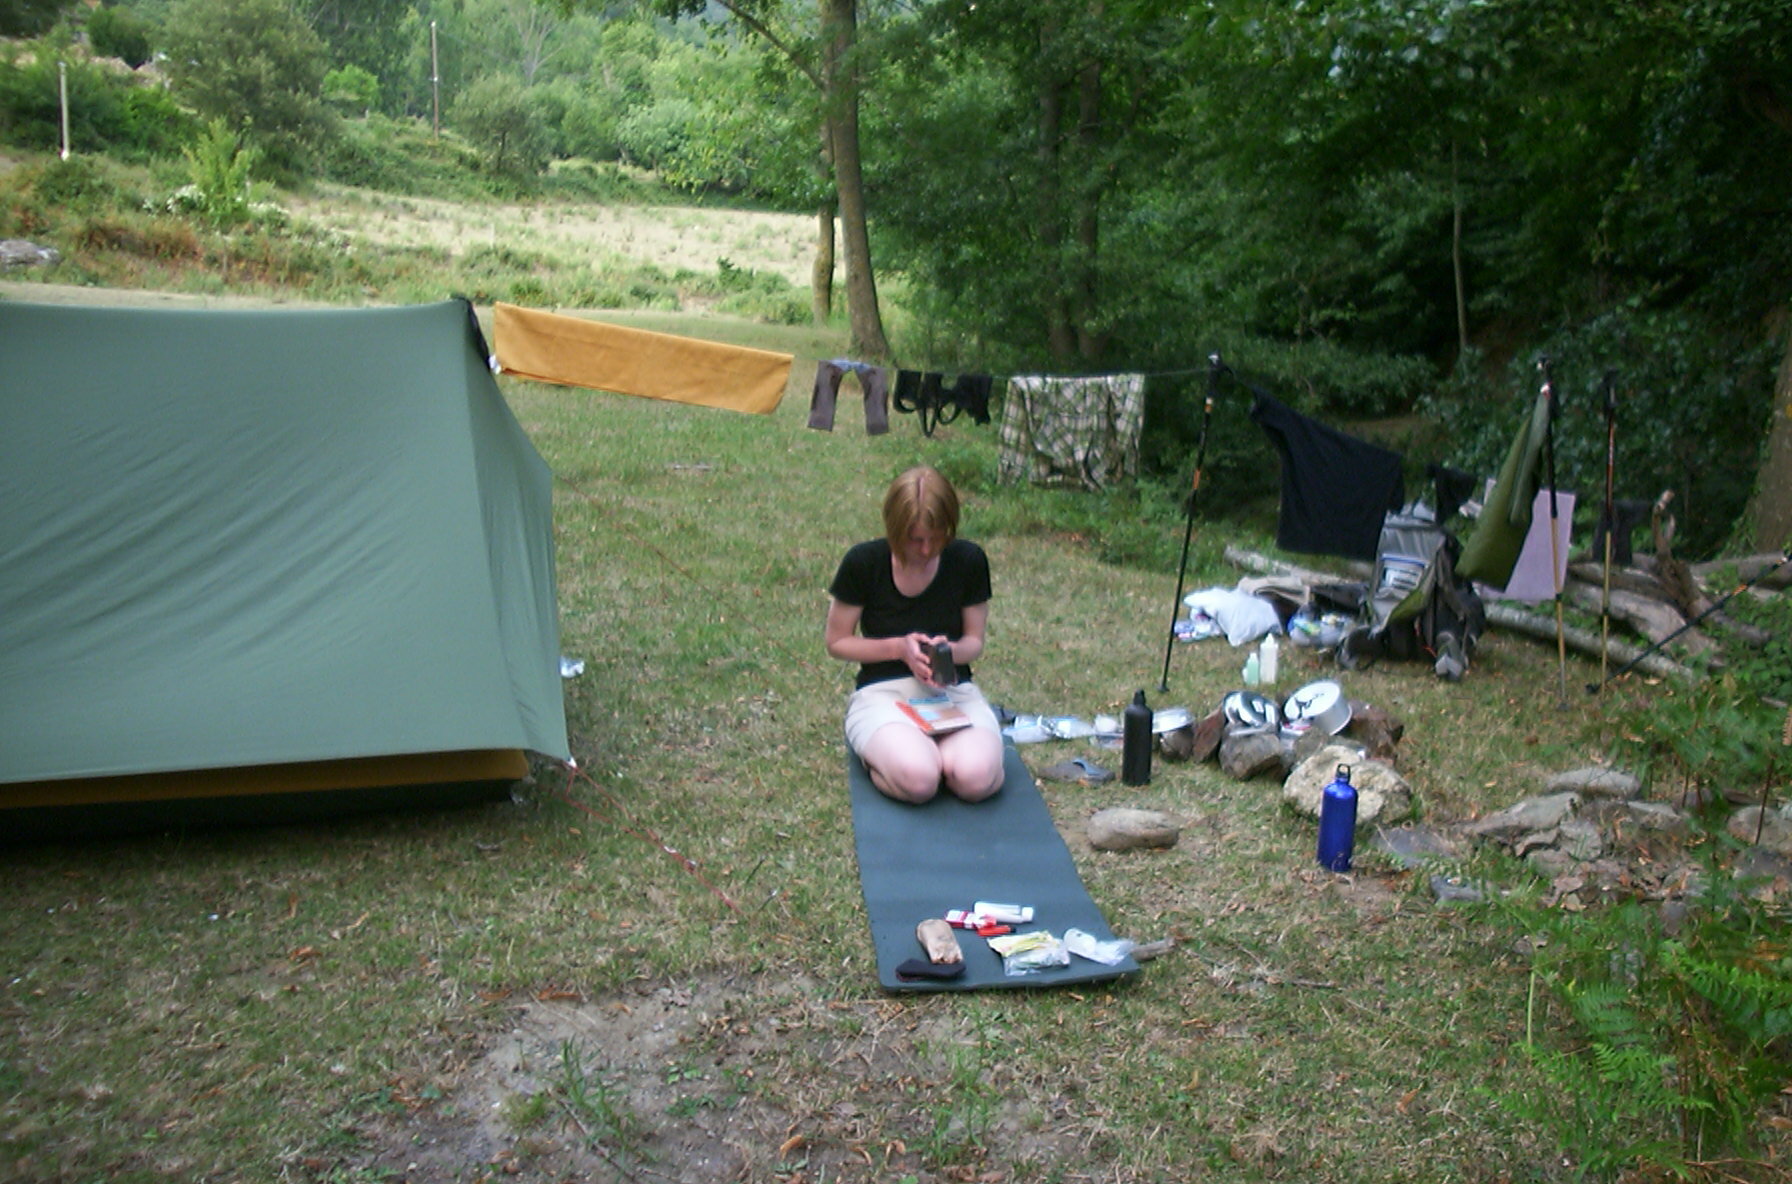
[218,169]
[1662,1051]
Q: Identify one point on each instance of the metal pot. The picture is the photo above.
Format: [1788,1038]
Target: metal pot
[1250,710]
[1319,705]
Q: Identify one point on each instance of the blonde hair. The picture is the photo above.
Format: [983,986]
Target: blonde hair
[919,497]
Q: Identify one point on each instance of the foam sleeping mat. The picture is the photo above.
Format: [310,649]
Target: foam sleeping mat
[917,862]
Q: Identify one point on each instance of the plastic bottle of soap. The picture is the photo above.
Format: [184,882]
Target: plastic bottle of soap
[1267,654]
[1253,671]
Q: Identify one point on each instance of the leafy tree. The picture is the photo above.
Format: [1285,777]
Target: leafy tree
[351,90]
[370,35]
[1049,233]
[519,35]
[496,114]
[257,65]
[829,58]
[119,33]
[28,18]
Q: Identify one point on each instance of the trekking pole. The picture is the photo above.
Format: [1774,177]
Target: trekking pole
[1214,368]
[1739,589]
[1609,514]
[1555,569]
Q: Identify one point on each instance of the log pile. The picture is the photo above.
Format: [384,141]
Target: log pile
[1657,612]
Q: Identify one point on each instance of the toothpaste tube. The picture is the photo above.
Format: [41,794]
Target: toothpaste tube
[1008,914]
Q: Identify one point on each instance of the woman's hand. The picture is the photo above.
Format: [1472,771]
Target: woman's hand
[917,653]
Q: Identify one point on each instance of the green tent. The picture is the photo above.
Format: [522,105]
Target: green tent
[245,555]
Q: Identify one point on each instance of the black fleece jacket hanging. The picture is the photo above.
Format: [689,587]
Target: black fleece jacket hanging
[1336,489]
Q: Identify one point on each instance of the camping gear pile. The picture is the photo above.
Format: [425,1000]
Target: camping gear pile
[1429,597]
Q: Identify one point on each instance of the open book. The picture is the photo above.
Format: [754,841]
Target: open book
[936,714]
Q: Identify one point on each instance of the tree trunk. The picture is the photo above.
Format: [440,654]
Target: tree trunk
[821,271]
[840,100]
[1086,297]
[1771,513]
[1456,253]
[1060,335]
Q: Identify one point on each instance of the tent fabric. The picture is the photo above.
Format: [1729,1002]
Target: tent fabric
[573,351]
[1541,569]
[917,862]
[1492,548]
[235,539]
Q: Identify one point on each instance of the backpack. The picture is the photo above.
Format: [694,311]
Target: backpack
[1417,608]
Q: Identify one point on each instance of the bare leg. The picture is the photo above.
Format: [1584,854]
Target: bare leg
[972,762]
[904,762]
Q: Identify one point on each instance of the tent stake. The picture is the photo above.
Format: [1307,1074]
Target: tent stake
[1214,367]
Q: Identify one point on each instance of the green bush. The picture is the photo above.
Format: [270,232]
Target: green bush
[1692,402]
[119,33]
[153,124]
[219,169]
[590,128]
[498,117]
[108,112]
[351,90]
[653,136]
[78,185]
[1663,1047]
[403,156]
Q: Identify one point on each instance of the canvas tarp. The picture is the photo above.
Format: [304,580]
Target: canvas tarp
[289,539]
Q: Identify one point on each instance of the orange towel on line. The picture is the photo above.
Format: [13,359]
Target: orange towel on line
[552,347]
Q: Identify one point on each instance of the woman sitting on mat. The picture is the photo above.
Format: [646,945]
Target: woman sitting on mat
[894,598]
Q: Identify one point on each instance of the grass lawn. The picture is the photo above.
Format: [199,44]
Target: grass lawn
[657,967]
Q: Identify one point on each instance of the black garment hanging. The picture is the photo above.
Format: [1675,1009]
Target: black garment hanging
[1336,489]
[1453,487]
[927,396]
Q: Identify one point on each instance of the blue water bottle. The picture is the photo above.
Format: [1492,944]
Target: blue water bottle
[1337,822]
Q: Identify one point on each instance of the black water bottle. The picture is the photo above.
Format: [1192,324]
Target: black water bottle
[1135,752]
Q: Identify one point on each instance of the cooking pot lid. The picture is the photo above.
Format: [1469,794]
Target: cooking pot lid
[1169,719]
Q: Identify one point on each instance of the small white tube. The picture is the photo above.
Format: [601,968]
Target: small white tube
[1007,914]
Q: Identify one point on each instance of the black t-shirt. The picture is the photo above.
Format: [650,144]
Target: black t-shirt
[865,580]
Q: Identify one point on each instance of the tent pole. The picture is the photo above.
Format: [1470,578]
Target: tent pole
[1214,367]
[1555,560]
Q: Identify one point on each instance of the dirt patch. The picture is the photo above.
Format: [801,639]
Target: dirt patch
[722,1078]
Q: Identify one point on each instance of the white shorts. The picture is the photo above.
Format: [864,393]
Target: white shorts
[874,705]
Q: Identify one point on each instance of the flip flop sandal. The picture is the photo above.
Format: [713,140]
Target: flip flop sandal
[1077,769]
